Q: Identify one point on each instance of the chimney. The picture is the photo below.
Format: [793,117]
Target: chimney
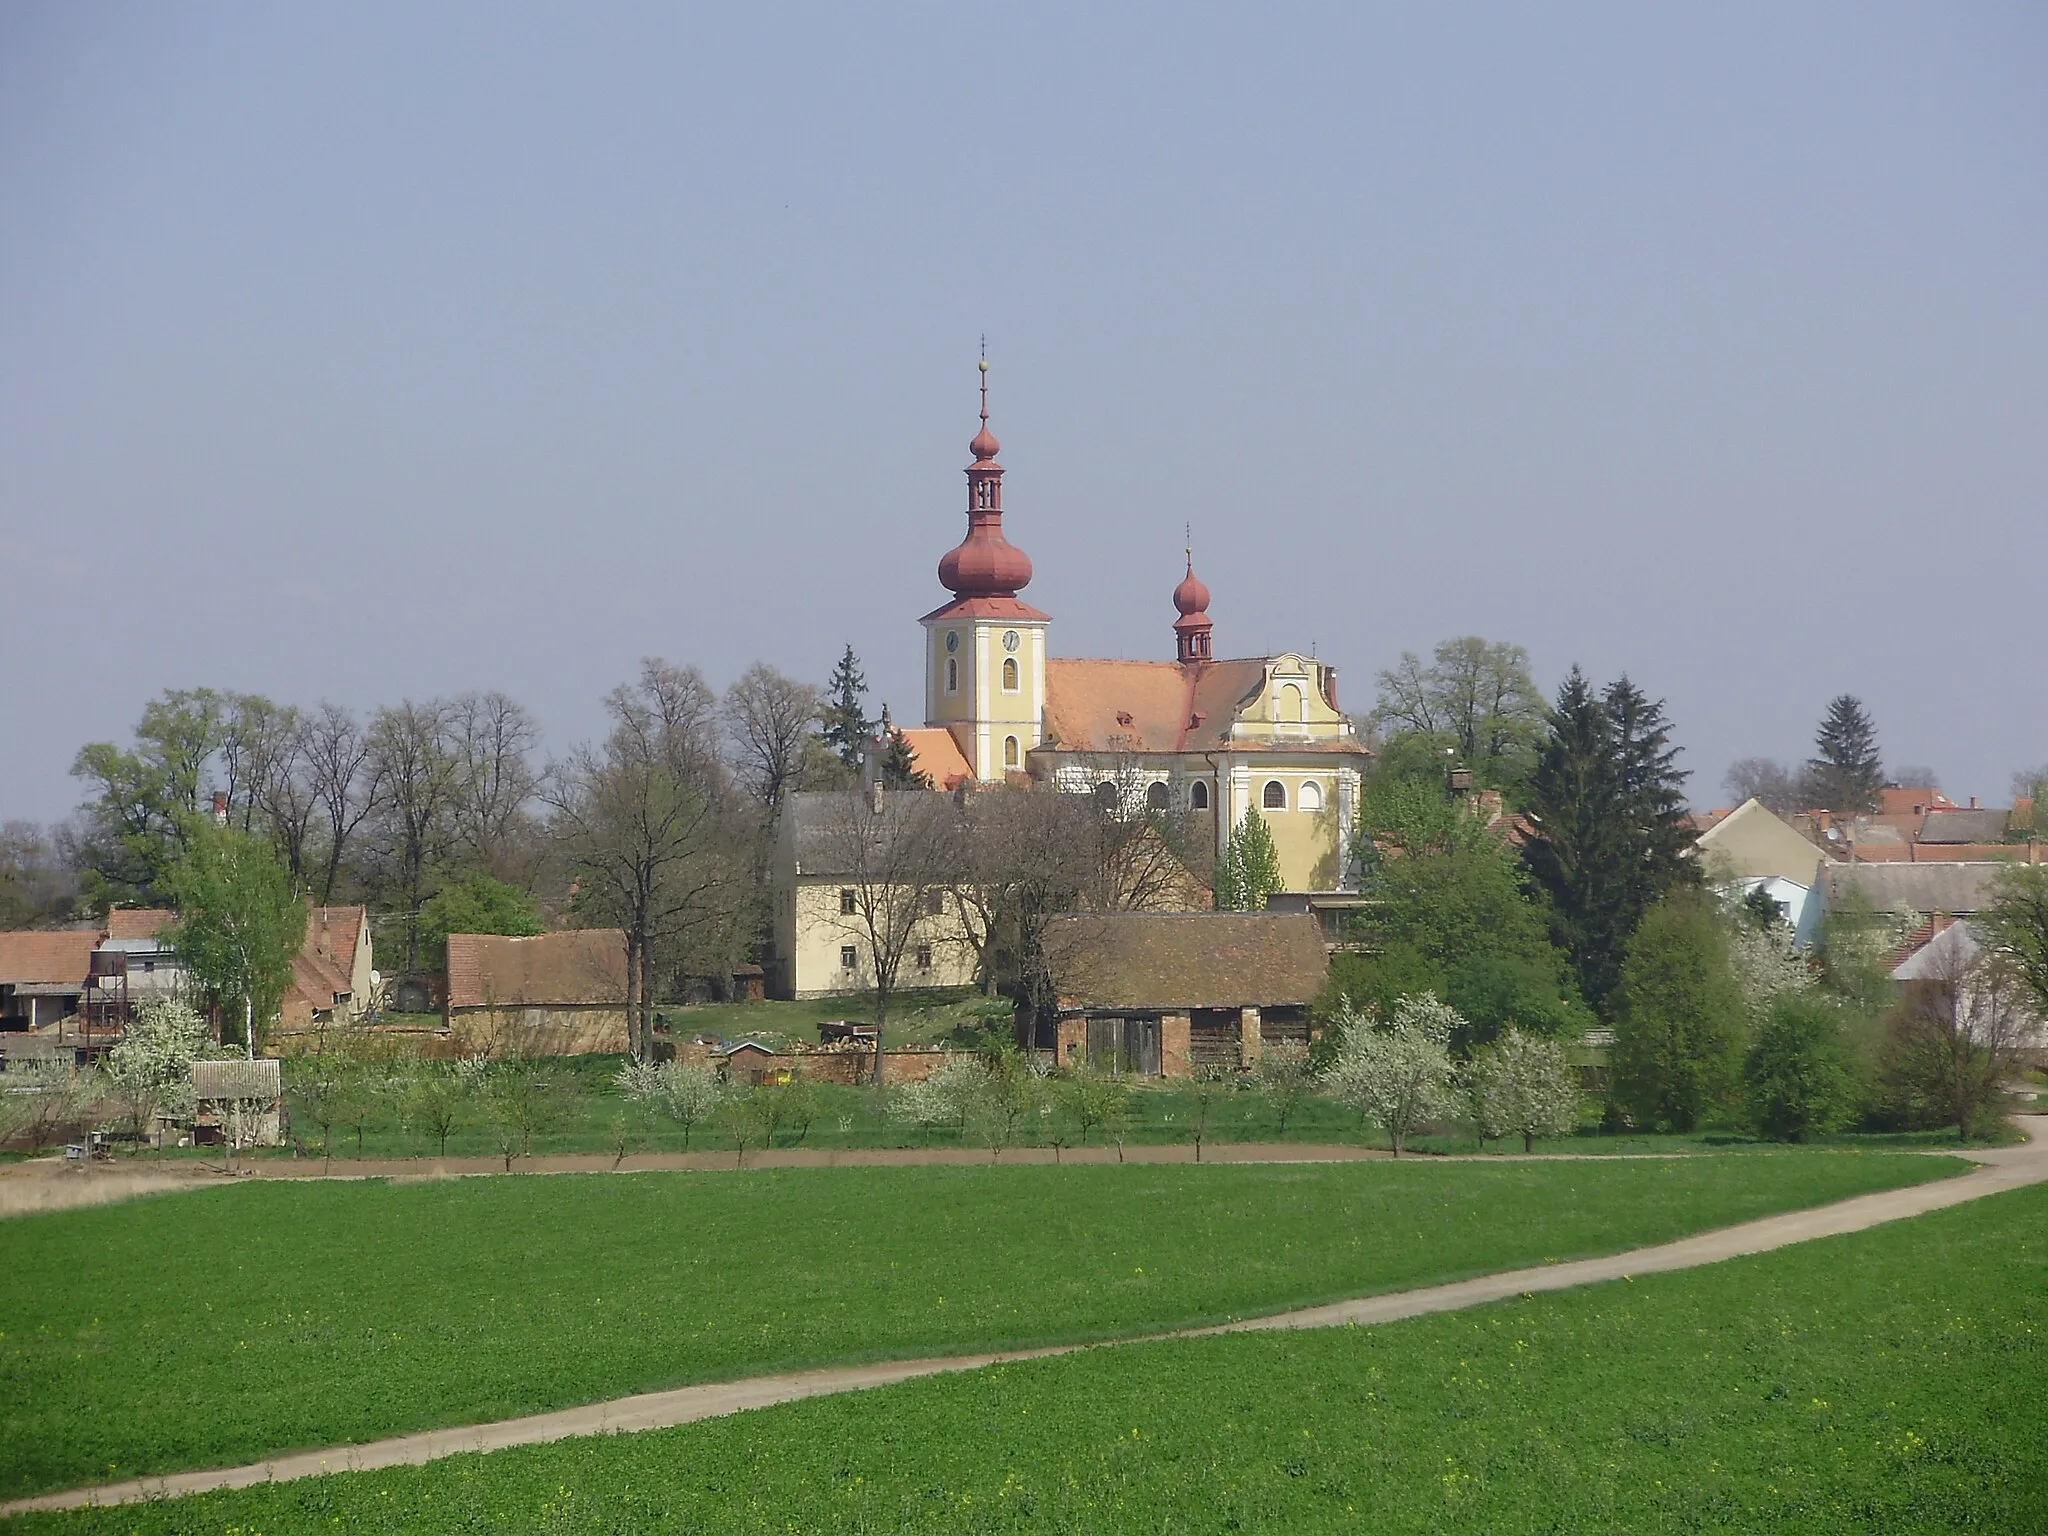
[220,808]
[1973,802]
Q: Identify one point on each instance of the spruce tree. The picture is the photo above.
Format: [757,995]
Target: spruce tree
[847,728]
[1847,775]
[1606,803]
[899,765]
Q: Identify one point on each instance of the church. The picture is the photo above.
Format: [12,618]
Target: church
[1207,736]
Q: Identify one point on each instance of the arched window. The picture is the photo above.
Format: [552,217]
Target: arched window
[1155,796]
[1009,674]
[1288,707]
[1198,796]
[1105,796]
[1310,796]
[952,674]
[1275,798]
[1013,755]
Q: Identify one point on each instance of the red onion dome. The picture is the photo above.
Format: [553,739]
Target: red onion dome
[985,564]
[1191,596]
[984,445]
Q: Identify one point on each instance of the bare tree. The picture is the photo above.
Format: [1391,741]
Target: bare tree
[898,855]
[346,780]
[770,719]
[649,825]
[282,787]
[493,738]
[1956,1033]
[1781,788]
[417,761]
[1150,855]
[1026,856]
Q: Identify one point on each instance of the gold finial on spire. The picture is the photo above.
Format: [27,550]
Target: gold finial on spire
[984,375]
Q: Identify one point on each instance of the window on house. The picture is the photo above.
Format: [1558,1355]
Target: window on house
[1288,705]
[1009,674]
[1155,797]
[1275,798]
[849,957]
[934,903]
[952,674]
[924,957]
[1311,796]
[846,905]
[1013,754]
[1198,795]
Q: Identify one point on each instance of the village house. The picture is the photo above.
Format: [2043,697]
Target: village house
[1162,994]
[333,980]
[553,994]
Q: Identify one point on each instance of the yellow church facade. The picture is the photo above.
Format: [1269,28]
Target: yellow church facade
[1203,738]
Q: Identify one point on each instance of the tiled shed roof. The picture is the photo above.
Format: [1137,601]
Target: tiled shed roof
[62,957]
[1164,960]
[578,966]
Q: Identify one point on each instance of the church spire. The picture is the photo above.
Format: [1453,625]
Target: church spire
[985,564]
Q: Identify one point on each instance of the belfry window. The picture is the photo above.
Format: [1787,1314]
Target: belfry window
[1275,797]
[952,674]
[1013,755]
[1009,674]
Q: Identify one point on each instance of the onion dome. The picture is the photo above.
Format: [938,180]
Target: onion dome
[1191,629]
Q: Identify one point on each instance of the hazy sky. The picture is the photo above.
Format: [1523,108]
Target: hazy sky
[368,351]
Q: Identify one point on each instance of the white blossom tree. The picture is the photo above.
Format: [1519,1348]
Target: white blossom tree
[150,1071]
[689,1095]
[1398,1075]
[1523,1086]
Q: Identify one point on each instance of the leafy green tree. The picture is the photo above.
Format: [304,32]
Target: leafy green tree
[476,903]
[1284,1078]
[1678,1023]
[1847,774]
[144,800]
[240,923]
[1475,693]
[1607,807]
[847,728]
[2016,922]
[1796,1076]
[1250,871]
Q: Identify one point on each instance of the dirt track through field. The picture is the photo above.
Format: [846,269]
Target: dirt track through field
[2004,1168]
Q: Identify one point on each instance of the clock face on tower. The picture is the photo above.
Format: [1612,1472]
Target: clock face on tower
[952,639]
[1010,640]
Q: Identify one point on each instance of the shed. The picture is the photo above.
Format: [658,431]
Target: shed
[1162,993]
[240,1089]
[551,994]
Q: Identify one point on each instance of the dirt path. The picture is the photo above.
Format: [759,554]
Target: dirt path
[2004,1168]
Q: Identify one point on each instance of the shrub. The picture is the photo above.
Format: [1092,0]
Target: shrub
[1796,1077]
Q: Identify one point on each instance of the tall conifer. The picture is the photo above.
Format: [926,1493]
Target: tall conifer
[847,728]
[1847,774]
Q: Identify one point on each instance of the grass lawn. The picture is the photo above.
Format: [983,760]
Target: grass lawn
[1885,1381]
[216,1327]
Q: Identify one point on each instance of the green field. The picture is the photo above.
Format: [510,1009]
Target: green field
[216,1327]
[1887,1381]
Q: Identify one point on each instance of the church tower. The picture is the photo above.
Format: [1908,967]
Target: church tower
[985,650]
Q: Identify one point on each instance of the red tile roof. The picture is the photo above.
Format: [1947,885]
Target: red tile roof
[934,753]
[576,966]
[138,922]
[1160,706]
[54,958]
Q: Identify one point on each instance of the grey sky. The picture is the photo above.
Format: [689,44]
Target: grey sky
[370,351]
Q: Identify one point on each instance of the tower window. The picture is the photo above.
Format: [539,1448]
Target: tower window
[952,674]
[1013,755]
[1198,795]
[1155,796]
[1275,797]
[1009,674]
[1310,797]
